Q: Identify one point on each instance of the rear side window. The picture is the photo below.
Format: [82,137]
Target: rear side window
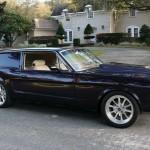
[10,60]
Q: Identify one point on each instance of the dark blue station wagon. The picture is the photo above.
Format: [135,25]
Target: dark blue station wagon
[75,78]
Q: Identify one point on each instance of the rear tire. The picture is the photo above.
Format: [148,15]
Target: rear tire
[119,109]
[5,99]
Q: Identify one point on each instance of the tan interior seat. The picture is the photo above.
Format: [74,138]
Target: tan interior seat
[39,65]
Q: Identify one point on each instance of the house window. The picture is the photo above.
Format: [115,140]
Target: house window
[65,40]
[69,36]
[129,31]
[132,13]
[90,15]
[133,31]
[136,32]
[67,18]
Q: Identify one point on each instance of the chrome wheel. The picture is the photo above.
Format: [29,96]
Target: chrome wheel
[2,95]
[119,109]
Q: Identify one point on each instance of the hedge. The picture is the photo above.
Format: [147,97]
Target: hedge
[41,39]
[112,38]
[76,42]
[89,37]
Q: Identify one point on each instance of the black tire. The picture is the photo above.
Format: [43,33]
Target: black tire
[5,99]
[119,109]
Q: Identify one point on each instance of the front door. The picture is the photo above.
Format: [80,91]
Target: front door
[68,36]
[39,81]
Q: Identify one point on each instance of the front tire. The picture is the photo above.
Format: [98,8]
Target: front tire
[119,109]
[5,99]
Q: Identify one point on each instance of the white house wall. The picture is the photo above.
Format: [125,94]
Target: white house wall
[125,20]
[79,21]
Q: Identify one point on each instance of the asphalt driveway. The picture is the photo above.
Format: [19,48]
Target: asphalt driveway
[125,55]
[28,126]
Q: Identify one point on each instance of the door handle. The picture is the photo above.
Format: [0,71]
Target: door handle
[24,76]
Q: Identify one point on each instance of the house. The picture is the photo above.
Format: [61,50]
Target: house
[131,22]
[44,27]
[75,23]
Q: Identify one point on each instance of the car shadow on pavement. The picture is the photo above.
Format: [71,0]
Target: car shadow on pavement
[66,117]
[63,115]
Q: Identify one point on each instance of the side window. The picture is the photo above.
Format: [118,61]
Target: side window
[60,65]
[10,60]
[43,61]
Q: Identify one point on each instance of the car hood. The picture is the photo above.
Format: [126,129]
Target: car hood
[124,68]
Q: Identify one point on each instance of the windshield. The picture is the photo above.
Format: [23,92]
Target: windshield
[80,59]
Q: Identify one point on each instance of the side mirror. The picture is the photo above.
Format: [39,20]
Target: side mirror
[54,68]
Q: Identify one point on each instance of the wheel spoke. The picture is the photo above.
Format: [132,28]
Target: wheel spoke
[129,111]
[114,111]
[119,101]
[2,99]
[111,106]
[116,115]
[124,102]
[125,115]
[2,95]
[115,103]
[121,117]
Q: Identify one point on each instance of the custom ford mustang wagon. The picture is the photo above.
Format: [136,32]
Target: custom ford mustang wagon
[76,78]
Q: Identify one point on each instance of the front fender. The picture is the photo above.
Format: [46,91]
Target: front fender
[119,89]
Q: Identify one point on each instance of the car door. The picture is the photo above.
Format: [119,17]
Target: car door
[54,85]
[87,89]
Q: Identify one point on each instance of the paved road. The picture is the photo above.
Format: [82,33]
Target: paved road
[39,127]
[125,55]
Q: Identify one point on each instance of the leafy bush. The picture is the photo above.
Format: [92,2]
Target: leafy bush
[88,29]
[41,39]
[60,33]
[144,33]
[55,43]
[76,42]
[89,37]
[112,38]
[147,41]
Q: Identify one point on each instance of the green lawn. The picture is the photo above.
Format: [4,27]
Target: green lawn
[97,52]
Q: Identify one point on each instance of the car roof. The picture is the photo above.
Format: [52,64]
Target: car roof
[47,49]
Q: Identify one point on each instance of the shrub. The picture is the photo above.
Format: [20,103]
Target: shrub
[88,29]
[147,41]
[89,37]
[41,39]
[144,32]
[60,33]
[76,42]
[55,43]
[112,38]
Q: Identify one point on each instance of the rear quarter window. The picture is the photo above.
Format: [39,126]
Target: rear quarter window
[10,60]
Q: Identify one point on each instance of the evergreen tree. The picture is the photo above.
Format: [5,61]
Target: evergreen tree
[88,29]
[144,32]
[60,33]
